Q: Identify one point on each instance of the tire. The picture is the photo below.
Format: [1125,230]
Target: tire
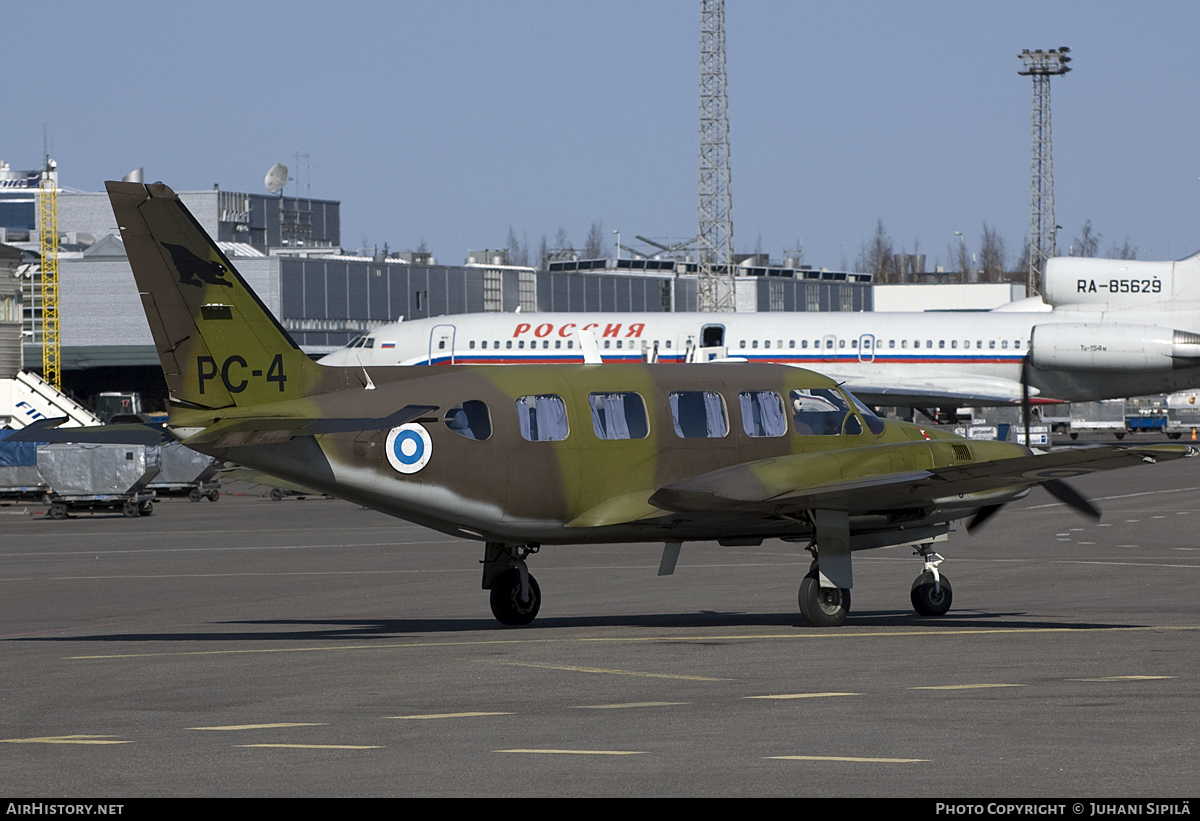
[146,508]
[130,510]
[212,495]
[1174,435]
[194,495]
[1119,436]
[926,600]
[58,511]
[1074,435]
[277,494]
[506,602]
[823,607]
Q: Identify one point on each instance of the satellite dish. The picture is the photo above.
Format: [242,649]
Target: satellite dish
[277,178]
[133,176]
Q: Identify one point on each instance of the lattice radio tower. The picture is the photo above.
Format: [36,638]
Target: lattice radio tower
[716,198]
[1041,66]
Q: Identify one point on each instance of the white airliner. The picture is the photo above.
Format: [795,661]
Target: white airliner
[1108,328]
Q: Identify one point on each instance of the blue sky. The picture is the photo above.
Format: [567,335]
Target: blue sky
[452,122]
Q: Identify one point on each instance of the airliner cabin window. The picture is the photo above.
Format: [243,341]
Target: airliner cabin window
[818,411]
[470,419]
[762,413]
[698,414]
[542,418]
[619,416]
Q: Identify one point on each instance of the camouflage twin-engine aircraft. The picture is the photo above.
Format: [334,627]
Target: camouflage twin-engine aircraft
[522,456]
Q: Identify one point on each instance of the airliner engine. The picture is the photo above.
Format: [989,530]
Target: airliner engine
[1113,347]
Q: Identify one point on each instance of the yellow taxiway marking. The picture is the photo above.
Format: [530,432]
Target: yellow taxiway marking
[847,758]
[805,695]
[317,746]
[841,634]
[575,752]
[451,715]
[65,739]
[964,686]
[260,726]
[1122,678]
[630,705]
[604,670]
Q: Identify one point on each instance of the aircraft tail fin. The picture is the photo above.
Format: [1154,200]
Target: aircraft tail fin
[219,345]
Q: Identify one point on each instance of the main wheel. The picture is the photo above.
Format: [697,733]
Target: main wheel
[277,494]
[823,606]
[507,606]
[928,601]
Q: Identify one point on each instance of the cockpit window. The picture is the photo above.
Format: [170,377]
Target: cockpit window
[542,418]
[619,416]
[699,414]
[818,412]
[470,419]
[762,413]
[874,423]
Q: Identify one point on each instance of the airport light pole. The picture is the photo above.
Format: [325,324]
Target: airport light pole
[1041,66]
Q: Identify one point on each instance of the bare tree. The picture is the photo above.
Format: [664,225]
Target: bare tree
[518,252]
[544,254]
[594,247]
[960,259]
[1087,244]
[1126,251]
[991,255]
[876,258]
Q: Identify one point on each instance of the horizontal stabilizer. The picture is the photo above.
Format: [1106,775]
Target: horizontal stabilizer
[48,430]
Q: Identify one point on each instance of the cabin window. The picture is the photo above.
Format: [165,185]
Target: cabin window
[483,344]
[471,344]
[742,344]
[853,343]
[521,344]
[941,343]
[542,418]
[619,416]
[441,344]
[818,411]
[841,343]
[953,343]
[1016,343]
[698,414]
[496,344]
[791,343]
[754,344]
[803,343]
[508,344]
[608,343]
[1004,343]
[570,343]
[929,343]
[668,343]
[762,413]
[470,419]
[903,343]
[991,343]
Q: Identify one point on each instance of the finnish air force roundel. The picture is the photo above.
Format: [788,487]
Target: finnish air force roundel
[409,447]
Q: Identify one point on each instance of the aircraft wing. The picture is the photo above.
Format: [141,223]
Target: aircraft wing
[859,481]
[961,390]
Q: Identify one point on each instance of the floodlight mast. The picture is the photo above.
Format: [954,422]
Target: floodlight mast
[1041,66]
[715,247]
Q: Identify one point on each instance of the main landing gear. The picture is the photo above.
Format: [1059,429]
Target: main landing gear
[822,606]
[516,597]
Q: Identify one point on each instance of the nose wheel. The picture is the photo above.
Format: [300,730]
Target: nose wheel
[931,593]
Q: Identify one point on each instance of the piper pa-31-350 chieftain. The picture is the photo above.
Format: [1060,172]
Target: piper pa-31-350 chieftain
[1112,328]
[530,455]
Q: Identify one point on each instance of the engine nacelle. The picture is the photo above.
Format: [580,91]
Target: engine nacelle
[1071,346]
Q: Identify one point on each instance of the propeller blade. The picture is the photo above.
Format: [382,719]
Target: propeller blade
[982,516]
[1025,411]
[1071,497]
